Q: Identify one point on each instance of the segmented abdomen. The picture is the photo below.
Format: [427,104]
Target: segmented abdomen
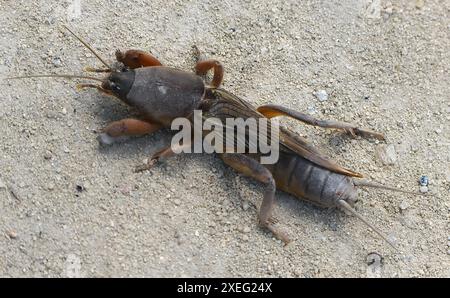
[302,178]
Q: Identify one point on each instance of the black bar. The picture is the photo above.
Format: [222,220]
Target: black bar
[216,287]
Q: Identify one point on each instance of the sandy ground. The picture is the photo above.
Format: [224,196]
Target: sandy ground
[72,208]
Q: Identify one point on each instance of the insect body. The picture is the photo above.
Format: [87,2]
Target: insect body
[162,94]
[301,170]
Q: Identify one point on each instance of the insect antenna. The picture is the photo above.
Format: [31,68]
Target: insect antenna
[65,76]
[349,208]
[88,47]
[91,69]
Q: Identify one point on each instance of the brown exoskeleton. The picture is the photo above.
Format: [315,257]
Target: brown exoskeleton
[162,94]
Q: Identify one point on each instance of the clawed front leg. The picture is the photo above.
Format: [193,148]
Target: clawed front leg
[271,111]
[126,127]
[137,58]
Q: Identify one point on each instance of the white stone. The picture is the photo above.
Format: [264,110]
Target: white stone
[386,154]
[321,95]
[423,189]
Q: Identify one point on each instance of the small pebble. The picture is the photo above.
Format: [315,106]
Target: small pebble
[246,230]
[105,140]
[298,272]
[420,4]
[374,259]
[50,20]
[177,202]
[2,185]
[11,234]
[404,205]
[321,95]
[245,205]
[178,237]
[312,110]
[245,238]
[424,181]
[386,154]
[79,188]
[50,186]
[423,189]
[56,61]
[47,155]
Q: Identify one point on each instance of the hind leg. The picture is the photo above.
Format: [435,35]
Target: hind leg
[255,170]
[271,111]
[137,58]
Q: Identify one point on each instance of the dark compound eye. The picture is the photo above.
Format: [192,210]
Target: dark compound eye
[114,86]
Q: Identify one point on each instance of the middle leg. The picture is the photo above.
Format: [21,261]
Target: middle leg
[204,65]
[162,154]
